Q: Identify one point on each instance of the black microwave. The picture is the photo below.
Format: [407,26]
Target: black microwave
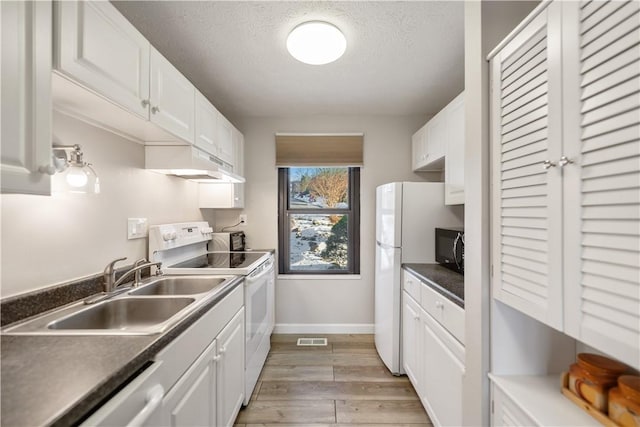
[450,248]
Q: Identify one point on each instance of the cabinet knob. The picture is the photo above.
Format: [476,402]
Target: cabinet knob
[145,102]
[47,169]
[216,358]
[223,350]
[155,110]
[416,317]
[547,164]
[564,161]
[439,304]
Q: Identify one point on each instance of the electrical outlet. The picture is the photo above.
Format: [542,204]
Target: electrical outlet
[137,228]
[243,219]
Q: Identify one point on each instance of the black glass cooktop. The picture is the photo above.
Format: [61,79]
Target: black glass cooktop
[221,260]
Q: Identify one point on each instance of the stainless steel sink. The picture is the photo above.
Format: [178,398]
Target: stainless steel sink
[124,314]
[181,285]
[153,307]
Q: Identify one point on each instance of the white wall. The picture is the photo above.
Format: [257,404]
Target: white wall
[319,305]
[486,23]
[48,240]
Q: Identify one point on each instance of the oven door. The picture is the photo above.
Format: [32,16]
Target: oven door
[258,306]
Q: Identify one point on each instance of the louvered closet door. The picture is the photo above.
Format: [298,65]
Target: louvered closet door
[602,236]
[526,131]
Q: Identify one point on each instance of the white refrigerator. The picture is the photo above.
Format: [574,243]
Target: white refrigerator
[407,214]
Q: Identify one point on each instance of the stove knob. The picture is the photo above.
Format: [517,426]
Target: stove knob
[168,236]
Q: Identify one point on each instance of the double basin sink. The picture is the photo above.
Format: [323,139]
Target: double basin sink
[150,308]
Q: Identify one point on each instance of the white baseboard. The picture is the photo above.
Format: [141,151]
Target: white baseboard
[323,328]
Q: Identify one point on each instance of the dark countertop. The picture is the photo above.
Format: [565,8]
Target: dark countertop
[58,380]
[444,281]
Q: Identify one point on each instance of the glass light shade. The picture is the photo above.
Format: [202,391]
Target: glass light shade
[316,43]
[78,179]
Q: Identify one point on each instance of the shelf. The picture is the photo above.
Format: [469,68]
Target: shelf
[540,397]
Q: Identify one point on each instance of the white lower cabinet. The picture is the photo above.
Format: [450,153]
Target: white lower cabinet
[432,357]
[411,339]
[196,380]
[192,401]
[442,374]
[230,371]
[211,392]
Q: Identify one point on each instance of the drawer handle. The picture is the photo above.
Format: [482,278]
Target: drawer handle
[416,317]
[439,304]
[154,398]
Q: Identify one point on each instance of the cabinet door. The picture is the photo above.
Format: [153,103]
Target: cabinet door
[526,120]
[192,400]
[221,196]
[26,96]
[442,375]
[230,381]
[436,139]
[172,98]
[225,139]
[454,158]
[96,46]
[419,159]
[206,125]
[505,412]
[238,152]
[411,331]
[602,210]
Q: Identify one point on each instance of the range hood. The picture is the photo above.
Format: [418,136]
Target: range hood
[189,162]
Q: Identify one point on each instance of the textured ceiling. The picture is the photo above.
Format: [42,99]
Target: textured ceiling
[402,57]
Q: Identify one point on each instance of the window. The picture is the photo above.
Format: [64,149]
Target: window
[319,220]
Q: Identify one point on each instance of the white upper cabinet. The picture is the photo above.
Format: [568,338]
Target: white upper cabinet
[206,125]
[428,144]
[97,47]
[454,157]
[26,97]
[418,148]
[566,173]
[440,144]
[436,141]
[172,98]
[225,139]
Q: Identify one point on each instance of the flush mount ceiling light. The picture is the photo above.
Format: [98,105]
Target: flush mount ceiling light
[316,43]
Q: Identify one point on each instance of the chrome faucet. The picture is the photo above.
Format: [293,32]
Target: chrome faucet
[110,275]
[137,268]
[111,284]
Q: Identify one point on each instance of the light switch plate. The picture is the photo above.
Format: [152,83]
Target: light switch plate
[137,228]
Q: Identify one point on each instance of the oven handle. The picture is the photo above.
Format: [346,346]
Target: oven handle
[265,268]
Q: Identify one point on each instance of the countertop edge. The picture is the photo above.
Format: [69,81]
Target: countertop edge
[434,285]
[86,404]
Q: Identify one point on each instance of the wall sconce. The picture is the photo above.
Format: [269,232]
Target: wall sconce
[77,175]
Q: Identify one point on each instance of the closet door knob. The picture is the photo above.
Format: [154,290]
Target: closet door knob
[547,164]
[564,161]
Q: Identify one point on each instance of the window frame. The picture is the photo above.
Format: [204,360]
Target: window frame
[353,224]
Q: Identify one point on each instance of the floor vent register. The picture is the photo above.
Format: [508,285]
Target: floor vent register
[312,342]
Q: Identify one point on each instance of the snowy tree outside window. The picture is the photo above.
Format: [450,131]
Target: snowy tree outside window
[319,218]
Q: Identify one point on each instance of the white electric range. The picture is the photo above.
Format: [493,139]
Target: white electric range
[183,250]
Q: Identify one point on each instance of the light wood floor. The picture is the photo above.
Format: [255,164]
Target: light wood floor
[342,384]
